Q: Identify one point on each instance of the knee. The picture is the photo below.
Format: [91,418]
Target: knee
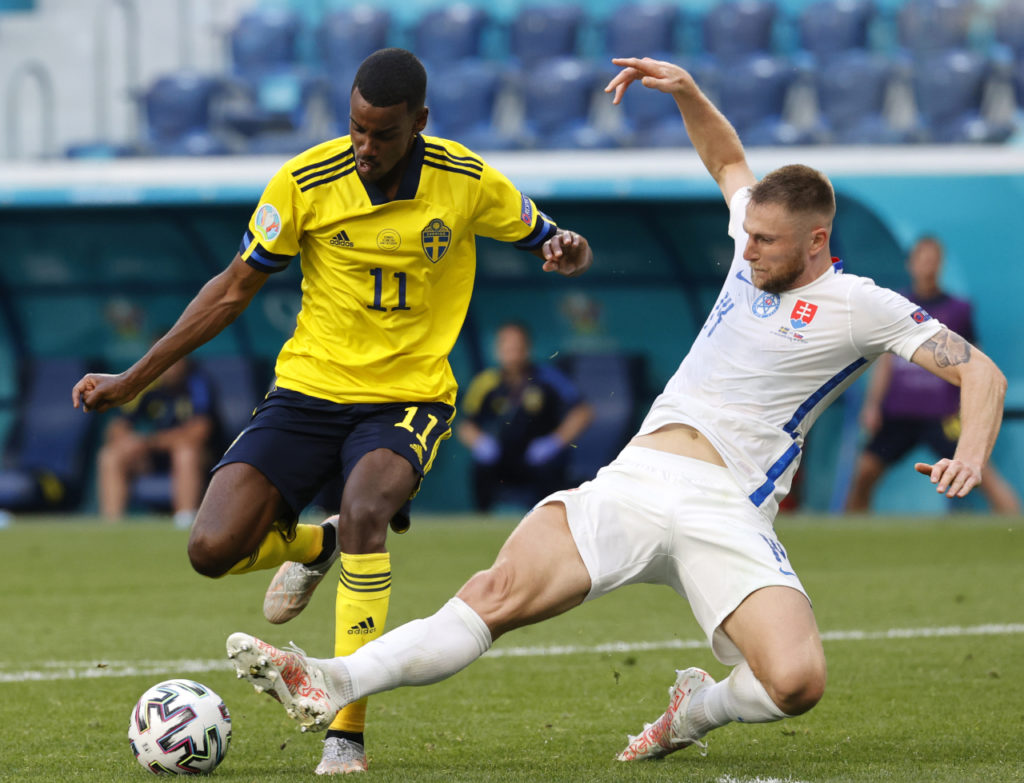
[796,687]
[363,525]
[208,556]
[490,593]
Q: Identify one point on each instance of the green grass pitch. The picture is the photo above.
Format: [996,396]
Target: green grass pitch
[93,615]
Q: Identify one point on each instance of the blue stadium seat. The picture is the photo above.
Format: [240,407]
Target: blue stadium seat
[739,28]
[346,36]
[237,393]
[650,118]
[851,89]
[641,29]
[1008,24]
[178,108]
[828,28]
[752,93]
[934,25]
[557,100]
[949,90]
[462,97]
[44,462]
[540,32]
[450,33]
[264,40]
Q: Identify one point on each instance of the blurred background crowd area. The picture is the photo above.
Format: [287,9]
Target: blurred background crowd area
[117,204]
[109,78]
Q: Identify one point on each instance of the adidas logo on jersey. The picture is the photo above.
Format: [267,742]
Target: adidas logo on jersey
[341,239]
[363,627]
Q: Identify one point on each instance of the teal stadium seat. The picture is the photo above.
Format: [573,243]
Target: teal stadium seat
[557,99]
[752,92]
[178,108]
[934,25]
[462,97]
[851,89]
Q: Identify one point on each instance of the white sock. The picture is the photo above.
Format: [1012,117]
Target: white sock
[739,697]
[418,653]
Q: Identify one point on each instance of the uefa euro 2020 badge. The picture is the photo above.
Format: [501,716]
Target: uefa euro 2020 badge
[267,222]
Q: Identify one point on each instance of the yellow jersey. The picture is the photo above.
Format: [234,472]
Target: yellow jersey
[385,284]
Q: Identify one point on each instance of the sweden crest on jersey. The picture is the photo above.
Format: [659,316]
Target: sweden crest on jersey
[436,238]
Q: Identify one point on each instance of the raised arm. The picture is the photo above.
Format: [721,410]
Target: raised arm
[712,135]
[216,305]
[982,390]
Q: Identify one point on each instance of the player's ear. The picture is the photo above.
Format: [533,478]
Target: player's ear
[421,120]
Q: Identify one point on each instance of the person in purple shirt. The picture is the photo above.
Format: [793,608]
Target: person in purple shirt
[907,406]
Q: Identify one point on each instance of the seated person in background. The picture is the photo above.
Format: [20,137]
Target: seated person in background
[518,421]
[906,406]
[169,425]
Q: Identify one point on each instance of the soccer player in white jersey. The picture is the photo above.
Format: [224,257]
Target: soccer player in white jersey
[690,502]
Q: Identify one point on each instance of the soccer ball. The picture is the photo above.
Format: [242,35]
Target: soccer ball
[180,727]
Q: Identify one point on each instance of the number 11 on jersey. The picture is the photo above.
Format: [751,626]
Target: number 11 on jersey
[378,291]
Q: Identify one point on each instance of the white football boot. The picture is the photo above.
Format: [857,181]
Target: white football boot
[341,757]
[670,732]
[293,584]
[301,685]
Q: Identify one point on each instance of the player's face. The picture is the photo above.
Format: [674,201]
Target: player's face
[381,135]
[777,248]
[924,263]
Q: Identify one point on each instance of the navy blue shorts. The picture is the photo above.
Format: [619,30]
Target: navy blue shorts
[897,436]
[301,443]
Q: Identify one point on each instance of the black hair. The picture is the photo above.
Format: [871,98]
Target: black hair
[392,76]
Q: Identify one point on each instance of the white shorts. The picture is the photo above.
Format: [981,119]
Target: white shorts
[660,518]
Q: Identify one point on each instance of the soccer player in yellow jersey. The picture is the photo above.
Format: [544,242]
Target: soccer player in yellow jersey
[385,222]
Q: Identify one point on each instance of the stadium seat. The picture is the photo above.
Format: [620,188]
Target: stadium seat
[449,34]
[934,25]
[462,97]
[264,40]
[45,459]
[851,90]
[557,100]
[828,28]
[236,394]
[540,32]
[1008,24]
[178,108]
[345,37]
[614,385]
[739,28]
[650,118]
[752,93]
[949,91]
[641,29]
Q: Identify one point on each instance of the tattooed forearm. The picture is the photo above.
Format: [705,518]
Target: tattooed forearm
[948,348]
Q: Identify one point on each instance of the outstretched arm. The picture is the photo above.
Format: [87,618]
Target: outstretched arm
[216,305]
[982,390]
[714,138]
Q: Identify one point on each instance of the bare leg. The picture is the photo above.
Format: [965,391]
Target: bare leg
[866,475]
[235,516]
[117,464]
[776,631]
[1000,495]
[187,475]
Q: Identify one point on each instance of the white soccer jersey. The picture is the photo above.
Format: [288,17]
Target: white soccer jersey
[764,366]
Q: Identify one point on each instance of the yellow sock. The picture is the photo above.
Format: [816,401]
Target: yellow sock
[280,547]
[364,592]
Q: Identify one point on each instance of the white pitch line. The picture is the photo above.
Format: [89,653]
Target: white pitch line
[74,670]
